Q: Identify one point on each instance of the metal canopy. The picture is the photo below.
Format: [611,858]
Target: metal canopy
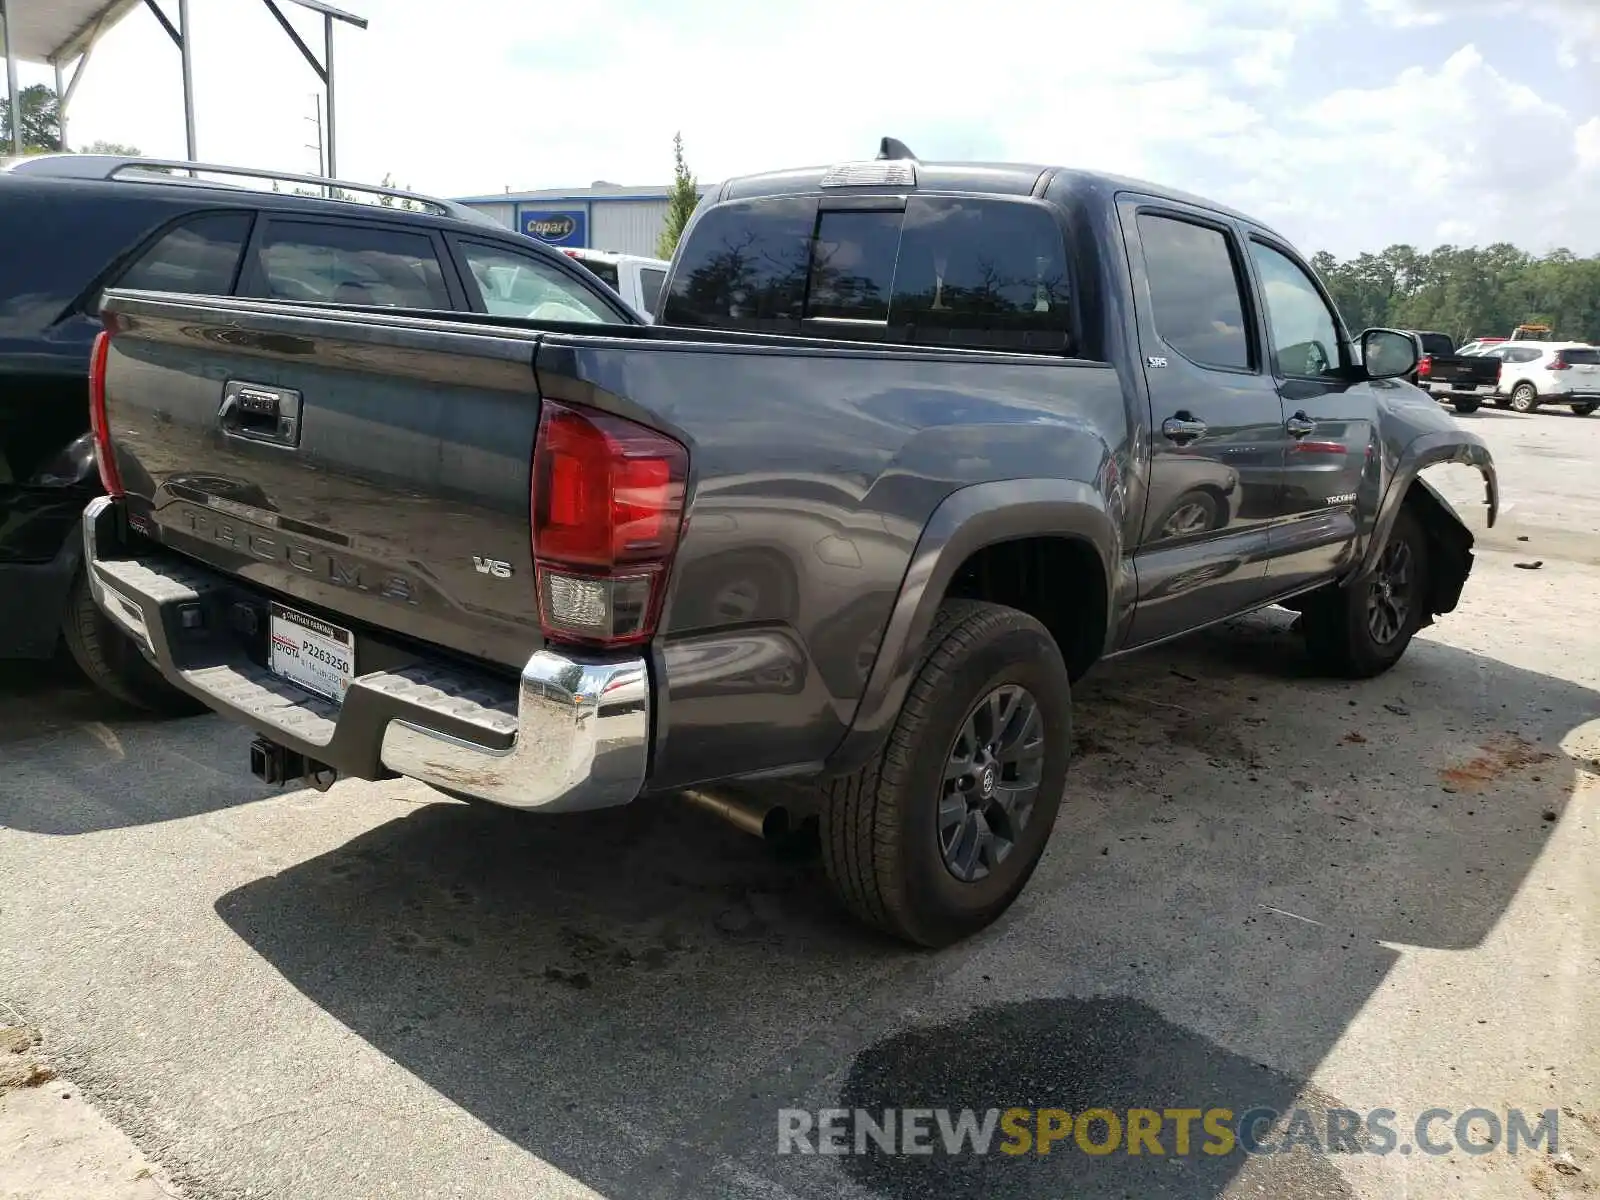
[61,32]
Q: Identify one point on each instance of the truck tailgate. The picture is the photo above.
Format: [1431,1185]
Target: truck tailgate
[264,441]
[1464,370]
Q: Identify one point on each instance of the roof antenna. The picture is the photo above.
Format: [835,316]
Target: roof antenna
[894,148]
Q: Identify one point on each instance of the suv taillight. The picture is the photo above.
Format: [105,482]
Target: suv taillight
[1559,364]
[103,457]
[1425,366]
[607,507]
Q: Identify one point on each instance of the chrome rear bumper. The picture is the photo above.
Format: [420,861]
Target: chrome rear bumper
[571,734]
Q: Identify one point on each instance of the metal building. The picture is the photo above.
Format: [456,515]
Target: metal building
[604,216]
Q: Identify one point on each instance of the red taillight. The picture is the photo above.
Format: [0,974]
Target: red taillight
[1425,366]
[607,505]
[1560,364]
[103,457]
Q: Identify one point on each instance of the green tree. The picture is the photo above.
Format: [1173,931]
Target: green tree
[40,119]
[1466,291]
[682,200]
[122,148]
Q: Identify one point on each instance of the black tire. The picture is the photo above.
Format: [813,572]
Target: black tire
[1502,401]
[1584,409]
[113,663]
[880,826]
[1467,406]
[1524,398]
[1337,622]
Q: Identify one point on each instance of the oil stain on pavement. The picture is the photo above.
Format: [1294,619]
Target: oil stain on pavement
[1077,1054]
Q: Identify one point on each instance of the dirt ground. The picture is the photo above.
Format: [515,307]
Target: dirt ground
[1264,888]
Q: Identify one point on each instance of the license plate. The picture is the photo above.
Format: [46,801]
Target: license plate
[311,653]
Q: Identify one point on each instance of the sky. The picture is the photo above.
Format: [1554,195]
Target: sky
[1346,124]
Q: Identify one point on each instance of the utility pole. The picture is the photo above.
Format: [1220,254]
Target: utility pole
[321,170]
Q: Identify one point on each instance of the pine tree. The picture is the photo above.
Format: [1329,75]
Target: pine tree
[681,201]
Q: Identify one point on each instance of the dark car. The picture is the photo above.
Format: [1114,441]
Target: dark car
[911,447]
[1462,381]
[73,225]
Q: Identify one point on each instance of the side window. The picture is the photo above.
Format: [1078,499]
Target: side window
[650,281]
[200,256]
[1194,292]
[520,285]
[1305,335]
[351,264]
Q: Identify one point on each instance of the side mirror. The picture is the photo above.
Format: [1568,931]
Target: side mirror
[1387,353]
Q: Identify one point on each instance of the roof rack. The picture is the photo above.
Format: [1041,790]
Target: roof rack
[114,166]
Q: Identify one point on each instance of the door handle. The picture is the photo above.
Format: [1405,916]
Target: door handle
[1182,428]
[1299,425]
[256,412]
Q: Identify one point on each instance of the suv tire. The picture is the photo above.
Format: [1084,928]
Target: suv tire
[1584,409]
[1524,398]
[113,663]
[903,840]
[1362,630]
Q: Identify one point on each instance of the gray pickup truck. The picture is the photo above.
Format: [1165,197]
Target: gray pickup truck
[912,447]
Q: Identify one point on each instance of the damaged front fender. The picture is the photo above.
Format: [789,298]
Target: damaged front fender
[1450,542]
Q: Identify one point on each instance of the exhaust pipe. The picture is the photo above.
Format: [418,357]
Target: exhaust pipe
[767,821]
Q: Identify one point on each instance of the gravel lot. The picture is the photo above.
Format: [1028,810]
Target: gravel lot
[1265,888]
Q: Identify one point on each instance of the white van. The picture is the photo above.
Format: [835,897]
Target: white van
[636,279]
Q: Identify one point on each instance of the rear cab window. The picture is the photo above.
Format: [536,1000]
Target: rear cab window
[958,271]
[1436,344]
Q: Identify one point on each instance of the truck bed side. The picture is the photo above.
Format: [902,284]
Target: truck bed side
[811,483]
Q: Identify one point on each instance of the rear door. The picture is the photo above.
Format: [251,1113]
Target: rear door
[1329,468]
[1216,425]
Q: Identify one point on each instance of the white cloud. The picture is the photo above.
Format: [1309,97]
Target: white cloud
[1460,152]
[1586,144]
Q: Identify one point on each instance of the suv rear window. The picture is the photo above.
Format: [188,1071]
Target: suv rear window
[1588,358]
[1436,344]
[950,271]
[200,256]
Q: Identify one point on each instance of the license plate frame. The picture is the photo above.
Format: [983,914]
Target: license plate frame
[313,654]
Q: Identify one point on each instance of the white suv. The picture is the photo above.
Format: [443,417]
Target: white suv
[1535,373]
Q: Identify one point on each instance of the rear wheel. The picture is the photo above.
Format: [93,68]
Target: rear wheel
[1467,406]
[935,837]
[113,663]
[1584,409]
[1361,630]
[1524,398]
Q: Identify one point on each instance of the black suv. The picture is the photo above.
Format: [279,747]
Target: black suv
[73,225]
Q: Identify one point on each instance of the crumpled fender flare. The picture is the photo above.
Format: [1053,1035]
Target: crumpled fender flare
[1429,450]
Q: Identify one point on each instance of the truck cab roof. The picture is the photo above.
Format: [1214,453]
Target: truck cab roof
[992,179]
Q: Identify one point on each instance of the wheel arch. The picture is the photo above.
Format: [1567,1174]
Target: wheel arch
[1449,540]
[973,527]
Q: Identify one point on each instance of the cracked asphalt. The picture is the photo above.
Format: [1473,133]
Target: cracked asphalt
[1264,889]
